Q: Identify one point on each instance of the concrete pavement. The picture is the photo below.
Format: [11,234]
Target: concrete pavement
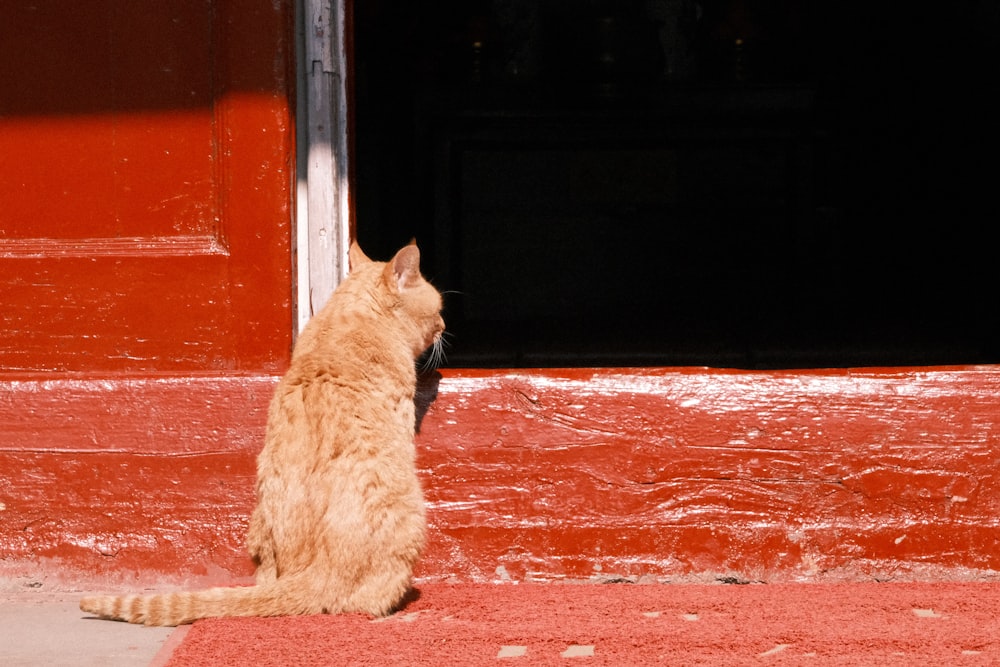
[42,628]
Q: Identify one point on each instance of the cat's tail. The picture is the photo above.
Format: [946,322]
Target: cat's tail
[278,598]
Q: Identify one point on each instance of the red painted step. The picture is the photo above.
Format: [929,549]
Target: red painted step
[536,475]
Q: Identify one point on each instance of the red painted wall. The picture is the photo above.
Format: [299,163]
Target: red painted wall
[557,474]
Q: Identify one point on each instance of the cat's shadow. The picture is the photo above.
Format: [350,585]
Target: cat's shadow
[426,393]
[411,596]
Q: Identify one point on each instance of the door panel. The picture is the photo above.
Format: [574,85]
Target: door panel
[146,169]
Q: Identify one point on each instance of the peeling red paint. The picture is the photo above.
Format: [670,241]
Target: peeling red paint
[542,474]
[669,472]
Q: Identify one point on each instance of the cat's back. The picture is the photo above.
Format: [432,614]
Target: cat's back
[352,376]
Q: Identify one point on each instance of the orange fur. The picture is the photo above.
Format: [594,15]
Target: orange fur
[339,522]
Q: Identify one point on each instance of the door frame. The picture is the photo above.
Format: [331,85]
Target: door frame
[324,224]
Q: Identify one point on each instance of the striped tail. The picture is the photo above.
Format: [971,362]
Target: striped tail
[273,599]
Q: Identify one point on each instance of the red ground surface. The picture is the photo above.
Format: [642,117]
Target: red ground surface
[629,624]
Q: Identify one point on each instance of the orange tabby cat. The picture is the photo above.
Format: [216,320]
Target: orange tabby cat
[339,521]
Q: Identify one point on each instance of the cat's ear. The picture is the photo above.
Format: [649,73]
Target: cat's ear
[403,272]
[355,257]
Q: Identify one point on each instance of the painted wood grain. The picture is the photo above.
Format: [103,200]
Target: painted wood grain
[769,475]
[129,479]
[542,474]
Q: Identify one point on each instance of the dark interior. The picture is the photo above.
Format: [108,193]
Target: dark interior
[741,183]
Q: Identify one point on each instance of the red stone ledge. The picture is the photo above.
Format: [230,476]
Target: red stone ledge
[558,474]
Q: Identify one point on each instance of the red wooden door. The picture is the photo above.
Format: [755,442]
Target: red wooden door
[146,190]
[146,170]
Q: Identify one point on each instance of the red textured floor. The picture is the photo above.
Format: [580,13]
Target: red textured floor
[629,624]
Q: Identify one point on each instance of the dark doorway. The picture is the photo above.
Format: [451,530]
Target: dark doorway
[726,183]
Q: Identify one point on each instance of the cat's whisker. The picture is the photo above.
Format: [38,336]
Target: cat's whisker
[435,356]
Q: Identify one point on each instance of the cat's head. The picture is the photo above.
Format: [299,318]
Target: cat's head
[406,296]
